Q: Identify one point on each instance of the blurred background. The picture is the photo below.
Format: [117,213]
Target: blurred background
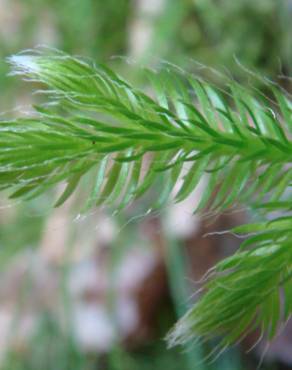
[101,290]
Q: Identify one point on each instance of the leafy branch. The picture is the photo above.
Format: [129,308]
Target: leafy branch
[95,122]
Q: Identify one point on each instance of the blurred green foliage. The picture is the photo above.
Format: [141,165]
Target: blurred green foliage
[49,349]
[215,32]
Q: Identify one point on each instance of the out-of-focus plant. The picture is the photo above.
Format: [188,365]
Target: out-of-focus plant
[52,350]
[216,32]
[98,28]
[74,26]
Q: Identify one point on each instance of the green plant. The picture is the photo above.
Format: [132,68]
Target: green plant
[52,349]
[97,126]
[215,32]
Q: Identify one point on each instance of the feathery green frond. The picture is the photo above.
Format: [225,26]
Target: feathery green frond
[244,291]
[96,122]
[108,126]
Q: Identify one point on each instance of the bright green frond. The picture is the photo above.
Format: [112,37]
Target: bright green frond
[238,141]
[246,290]
[97,123]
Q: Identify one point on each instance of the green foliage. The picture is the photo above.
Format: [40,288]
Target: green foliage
[51,348]
[89,20]
[215,32]
[97,123]
[242,29]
